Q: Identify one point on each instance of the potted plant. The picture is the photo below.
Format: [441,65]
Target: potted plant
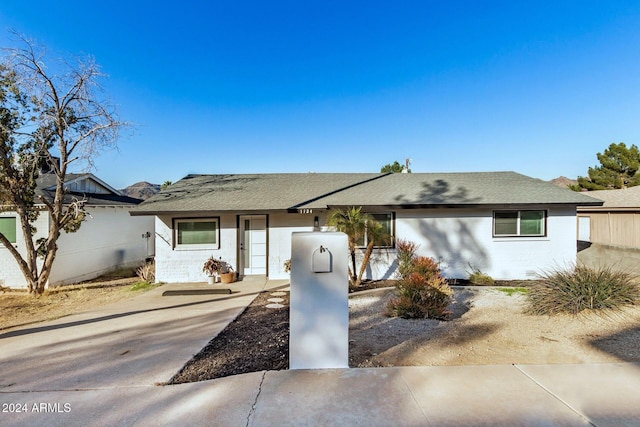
[218,268]
[213,267]
[227,275]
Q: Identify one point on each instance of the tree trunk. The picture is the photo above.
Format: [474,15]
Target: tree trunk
[352,281]
[365,262]
[352,271]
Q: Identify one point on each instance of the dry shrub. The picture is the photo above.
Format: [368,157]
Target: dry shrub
[406,252]
[422,293]
[583,288]
[147,272]
[425,266]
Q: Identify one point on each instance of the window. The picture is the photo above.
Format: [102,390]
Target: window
[8,228]
[519,223]
[196,233]
[386,220]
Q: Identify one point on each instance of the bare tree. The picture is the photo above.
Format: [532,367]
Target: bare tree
[50,120]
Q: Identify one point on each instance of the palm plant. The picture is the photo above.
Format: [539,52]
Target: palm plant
[356,225]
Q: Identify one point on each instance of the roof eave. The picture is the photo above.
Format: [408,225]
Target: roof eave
[204,212]
[464,205]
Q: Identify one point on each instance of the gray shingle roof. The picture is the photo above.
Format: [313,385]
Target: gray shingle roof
[252,192]
[261,192]
[456,189]
[46,182]
[628,198]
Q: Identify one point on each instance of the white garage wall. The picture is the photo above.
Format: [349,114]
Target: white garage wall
[110,238]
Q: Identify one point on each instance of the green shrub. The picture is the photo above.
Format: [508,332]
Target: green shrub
[477,277]
[582,288]
[422,293]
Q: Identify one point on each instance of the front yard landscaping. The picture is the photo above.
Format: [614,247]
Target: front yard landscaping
[487,326]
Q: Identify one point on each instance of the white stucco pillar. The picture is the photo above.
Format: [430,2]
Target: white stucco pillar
[319,307]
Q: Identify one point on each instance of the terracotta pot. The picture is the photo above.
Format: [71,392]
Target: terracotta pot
[228,277]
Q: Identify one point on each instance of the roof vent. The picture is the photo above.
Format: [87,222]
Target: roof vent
[405,168]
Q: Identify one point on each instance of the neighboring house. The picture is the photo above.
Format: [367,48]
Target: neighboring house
[616,222]
[508,225]
[109,237]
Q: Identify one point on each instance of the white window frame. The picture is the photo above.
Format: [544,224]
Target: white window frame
[188,246]
[519,216]
[391,226]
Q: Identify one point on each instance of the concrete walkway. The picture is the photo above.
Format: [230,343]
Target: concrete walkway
[101,367]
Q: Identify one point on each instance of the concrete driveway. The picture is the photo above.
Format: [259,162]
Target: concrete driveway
[137,342]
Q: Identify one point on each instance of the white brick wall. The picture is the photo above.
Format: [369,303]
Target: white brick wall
[185,265]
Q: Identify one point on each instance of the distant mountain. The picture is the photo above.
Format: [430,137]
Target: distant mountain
[141,190]
[563,181]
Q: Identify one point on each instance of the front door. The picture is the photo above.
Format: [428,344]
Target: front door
[253,244]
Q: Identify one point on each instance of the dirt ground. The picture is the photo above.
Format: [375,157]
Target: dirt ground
[256,340]
[18,308]
[487,327]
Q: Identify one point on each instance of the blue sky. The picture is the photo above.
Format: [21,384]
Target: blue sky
[538,87]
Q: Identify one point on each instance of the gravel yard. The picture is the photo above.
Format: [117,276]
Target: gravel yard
[487,327]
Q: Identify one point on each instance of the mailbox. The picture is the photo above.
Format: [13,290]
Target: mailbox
[319,306]
[321,260]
